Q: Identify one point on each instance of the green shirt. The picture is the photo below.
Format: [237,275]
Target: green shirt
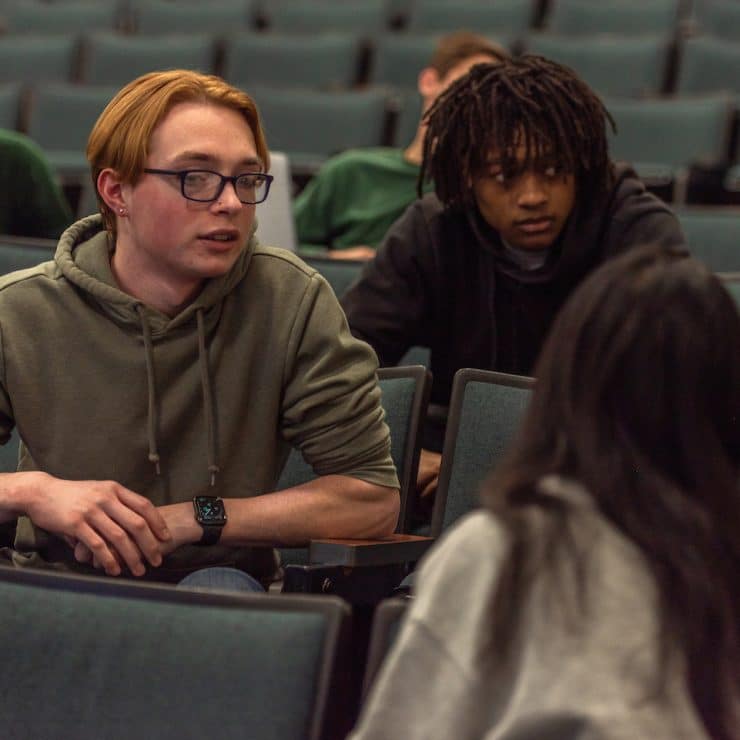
[31,201]
[355,197]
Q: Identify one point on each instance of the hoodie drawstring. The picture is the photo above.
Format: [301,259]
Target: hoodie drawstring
[205,381]
[152,406]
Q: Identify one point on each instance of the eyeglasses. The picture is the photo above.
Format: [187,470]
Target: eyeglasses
[205,186]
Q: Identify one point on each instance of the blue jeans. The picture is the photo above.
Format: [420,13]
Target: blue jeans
[221,579]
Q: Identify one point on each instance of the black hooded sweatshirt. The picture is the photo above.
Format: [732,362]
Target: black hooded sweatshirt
[443,279]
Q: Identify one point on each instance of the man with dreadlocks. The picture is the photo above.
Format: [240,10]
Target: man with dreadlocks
[526,203]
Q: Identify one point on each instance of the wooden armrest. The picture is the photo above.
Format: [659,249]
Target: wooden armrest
[395,549]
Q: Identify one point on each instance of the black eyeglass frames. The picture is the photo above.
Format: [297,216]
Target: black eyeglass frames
[205,186]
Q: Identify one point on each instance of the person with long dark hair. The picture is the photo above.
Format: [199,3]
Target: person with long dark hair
[596,595]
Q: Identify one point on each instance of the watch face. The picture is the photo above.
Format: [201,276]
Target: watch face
[210,510]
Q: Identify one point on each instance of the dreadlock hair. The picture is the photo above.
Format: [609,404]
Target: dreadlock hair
[529,101]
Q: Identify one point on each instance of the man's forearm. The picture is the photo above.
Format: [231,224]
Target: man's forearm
[334,506]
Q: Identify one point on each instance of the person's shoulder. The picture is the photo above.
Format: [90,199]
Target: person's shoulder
[352,160]
[22,289]
[477,542]
[17,145]
[282,260]
[627,186]
[283,268]
[456,580]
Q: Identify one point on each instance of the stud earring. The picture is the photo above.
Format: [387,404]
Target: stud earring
[122,212]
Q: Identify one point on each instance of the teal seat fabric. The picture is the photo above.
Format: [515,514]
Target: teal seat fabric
[113,59]
[33,59]
[618,66]
[713,236]
[322,16]
[324,61]
[9,454]
[501,16]
[611,16]
[309,126]
[397,59]
[32,16]
[216,17]
[387,620]
[719,18]
[18,253]
[485,412]
[708,64]
[92,658]
[664,138]
[10,97]
[408,114]
[61,117]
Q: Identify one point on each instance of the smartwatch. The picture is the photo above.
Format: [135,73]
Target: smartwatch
[210,513]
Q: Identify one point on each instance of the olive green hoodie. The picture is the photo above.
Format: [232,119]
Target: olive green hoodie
[104,387]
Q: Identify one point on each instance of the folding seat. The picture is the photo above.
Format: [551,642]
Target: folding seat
[708,65]
[611,16]
[713,235]
[32,16]
[10,97]
[615,66]
[387,621]
[504,17]
[18,253]
[324,61]
[312,125]
[120,660]
[397,59]
[61,117]
[321,16]
[720,18]
[664,138]
[111,59]
[33,59]
[218,17]
[486,409]
[408,106]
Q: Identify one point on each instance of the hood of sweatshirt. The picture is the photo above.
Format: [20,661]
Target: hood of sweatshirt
[83,257]
[581,243]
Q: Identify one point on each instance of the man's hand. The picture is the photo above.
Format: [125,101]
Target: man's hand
[427,477]
[352,253]
[103,521]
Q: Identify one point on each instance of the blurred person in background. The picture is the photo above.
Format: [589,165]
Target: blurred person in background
[31,202]
[355,197]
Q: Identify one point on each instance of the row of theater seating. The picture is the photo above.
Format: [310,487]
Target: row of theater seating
[107,658]
[713,235]
[664,138]
[270,662]
[618,66]
[375,16]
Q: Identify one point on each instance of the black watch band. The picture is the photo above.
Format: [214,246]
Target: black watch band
[210,513]
[211,534]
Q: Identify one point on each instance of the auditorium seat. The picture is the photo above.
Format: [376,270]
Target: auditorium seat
[327,61]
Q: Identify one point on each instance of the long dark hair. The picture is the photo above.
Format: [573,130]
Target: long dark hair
[638,399]
[525,100]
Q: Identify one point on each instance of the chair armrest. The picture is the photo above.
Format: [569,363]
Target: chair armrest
[391,550]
